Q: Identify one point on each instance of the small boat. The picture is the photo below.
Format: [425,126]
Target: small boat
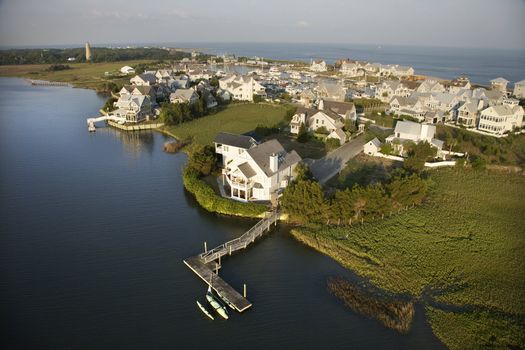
[221,310]
[204,310]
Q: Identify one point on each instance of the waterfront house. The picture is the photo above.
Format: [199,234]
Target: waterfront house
[318,66]
[500,119]
[388,89]
[254,172]
[458,84]
[143,79]
[407,131]
[519,89]
[135,108]
[184,96]
[430,86]
[402,71]
[499,84]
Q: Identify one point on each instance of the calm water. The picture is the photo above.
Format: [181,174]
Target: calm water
[481,65]
[94,228]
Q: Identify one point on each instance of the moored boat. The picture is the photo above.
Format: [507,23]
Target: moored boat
[204,310]
[221,310]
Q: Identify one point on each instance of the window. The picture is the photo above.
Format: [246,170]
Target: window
[225,148]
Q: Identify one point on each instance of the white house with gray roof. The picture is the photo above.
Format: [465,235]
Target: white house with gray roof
[501,118]
[184,96]
[407,131]
[254,172]
[519,89]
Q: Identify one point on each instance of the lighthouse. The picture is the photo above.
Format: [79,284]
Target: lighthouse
[88,52]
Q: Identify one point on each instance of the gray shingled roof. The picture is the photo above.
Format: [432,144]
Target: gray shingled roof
[247,170]
[241,141]
[261,156]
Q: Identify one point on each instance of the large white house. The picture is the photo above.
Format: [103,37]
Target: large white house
[242,88]
[135,108]
[501,118]
[184,96]
[519,89]
[407,131]
[254,172]
[143,79]
[127,70]
[318,66]
[499,84]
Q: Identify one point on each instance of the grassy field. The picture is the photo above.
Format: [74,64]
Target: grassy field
[461,254]
[363,170]
[85,75]
[235,118]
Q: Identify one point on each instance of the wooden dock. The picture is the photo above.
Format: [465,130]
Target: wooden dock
[203,265]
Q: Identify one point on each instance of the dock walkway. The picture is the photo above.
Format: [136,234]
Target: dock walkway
[203,264]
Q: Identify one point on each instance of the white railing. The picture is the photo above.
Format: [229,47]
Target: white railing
[242,241]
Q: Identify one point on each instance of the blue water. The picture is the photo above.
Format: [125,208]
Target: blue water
[481,65]
[93,231]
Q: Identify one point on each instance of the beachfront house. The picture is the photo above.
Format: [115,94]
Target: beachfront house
[430,86]
[499,84]
[254,172]
[519,89]
[407,131]
[500,119]
[467,113]
[318,66]
[349,68]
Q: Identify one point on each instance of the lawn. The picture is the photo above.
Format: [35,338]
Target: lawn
[235,118]
[86,75]
[461,254]
[313,148]
[381,119]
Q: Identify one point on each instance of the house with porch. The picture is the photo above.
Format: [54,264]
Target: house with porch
[519,89]
[318,66]
[407,131]
[500,119]
[499,84]
[254,172]
[184,96]
[143,79]
[135,108]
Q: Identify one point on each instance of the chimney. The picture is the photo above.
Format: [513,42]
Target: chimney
[321,105]
[274,162]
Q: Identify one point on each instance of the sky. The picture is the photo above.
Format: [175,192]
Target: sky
[446,23]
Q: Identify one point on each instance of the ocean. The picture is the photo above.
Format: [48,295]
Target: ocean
[481,65]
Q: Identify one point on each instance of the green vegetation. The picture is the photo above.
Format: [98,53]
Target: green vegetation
[364,170]
[235,118]
[508,150]
[99,54]
[417,155]
[306,203]
[461,253]
[332,144]
[84,75]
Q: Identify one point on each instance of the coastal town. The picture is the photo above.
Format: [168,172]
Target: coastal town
[262,174]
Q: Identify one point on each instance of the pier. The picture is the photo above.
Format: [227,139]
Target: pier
[47,83]
[204,264]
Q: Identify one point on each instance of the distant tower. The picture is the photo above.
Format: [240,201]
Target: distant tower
[88,52]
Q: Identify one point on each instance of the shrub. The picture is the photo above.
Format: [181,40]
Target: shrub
[210,201]
[332,144]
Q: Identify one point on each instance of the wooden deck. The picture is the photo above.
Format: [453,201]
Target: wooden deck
[204,263]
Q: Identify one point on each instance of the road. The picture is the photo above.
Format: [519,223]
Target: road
[327,167]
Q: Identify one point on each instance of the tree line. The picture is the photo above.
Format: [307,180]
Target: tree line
[305,201]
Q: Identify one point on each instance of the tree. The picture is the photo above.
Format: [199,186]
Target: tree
[302,135]
[322,130]
[302,172]
[350,125]
[386,148]
[304,201]
[406,191]
[418,154]
[331,144]
[202,160]
[257,98]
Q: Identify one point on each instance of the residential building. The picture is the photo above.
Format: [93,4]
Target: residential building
[519,89]
[501,119]
[407,131]
[143,79]
[430,86]
[242,88]
[184,96]
[318,66]
[349,68]
[467,113]
[127,70]
[132,107]
[254,172]
[499,84]
[372,147]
